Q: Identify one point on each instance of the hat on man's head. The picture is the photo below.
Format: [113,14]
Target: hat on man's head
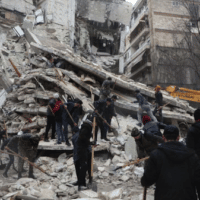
[135,132]
[114,97]
[56,95]
[146,119]
[171,132]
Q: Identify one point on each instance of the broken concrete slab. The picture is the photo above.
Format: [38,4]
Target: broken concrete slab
[130,149]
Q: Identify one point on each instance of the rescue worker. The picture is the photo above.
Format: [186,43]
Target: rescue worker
[2,135]
[159,102]
[82,152]
[76,158]
[66,120]
[105,89]
[193,136]
[143,106]
[50,120]
[76,112]
[152,128]
[57,110]
[13,145]
[112,114]
[144,145]
[174,169]
[104,108]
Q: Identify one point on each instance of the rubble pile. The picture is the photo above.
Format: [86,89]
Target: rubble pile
[121,184]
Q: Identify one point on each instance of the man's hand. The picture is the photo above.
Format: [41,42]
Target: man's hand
[93,143]
[65,106]
[25,158]
[95,111]
[75,124]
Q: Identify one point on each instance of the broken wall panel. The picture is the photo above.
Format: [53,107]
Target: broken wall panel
[100,11]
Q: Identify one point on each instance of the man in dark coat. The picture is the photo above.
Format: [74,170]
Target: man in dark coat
[143,106]
[27,147]
[66,120]
[159,102]
[11,143]
[144,146]
[58,110]
[105,109]
[82,152]
[105,88]
[152,128]
[50,120]
[193,136]
[2,135]
[76,157]
[174,169]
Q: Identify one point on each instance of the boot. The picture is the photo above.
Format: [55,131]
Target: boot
[5,175]
[31,175]
[82,187]
[46,140]
[68,143]
[19,175]
[139,124]
[75,183]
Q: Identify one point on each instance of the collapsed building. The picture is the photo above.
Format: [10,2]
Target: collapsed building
[88,40]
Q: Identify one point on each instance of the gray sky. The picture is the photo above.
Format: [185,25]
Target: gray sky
[132,1]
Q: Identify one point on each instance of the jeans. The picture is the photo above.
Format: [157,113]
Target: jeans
[65,132]
[149,112]
[159,112]
[59,131]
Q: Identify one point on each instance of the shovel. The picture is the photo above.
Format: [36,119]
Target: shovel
[132,163]
[93,185]
[113,129]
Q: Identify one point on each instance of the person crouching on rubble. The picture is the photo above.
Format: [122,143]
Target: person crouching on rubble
[82,152]
[174,169]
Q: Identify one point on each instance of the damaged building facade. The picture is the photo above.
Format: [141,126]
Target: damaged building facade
[155,28]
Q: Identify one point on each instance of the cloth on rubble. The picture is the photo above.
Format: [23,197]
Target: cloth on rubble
[176,171]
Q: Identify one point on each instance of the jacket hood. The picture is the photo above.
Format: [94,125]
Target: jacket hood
[176,151]
[196,125]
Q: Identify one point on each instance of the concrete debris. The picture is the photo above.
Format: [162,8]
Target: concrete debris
[69,47]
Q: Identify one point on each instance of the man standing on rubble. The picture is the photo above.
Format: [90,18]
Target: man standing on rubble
[159,102]
[57,110]
[104,108]
[174,169]
[12,144]
[193,136]
[143,106]
[105,88]
[50,120]
[82,152]
[66,120]
[27,147]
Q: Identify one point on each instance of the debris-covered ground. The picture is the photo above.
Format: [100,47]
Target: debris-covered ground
[31,32]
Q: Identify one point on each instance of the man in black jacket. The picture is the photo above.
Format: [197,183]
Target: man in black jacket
[159,102]
[82,152]
[193,136]
[66,120]
[50,120]
[174,169]
[105,109]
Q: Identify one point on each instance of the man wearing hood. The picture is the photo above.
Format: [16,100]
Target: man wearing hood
[83,144]
[174,169]
[193,136]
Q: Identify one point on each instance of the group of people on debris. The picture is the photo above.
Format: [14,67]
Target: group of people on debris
[173,166]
